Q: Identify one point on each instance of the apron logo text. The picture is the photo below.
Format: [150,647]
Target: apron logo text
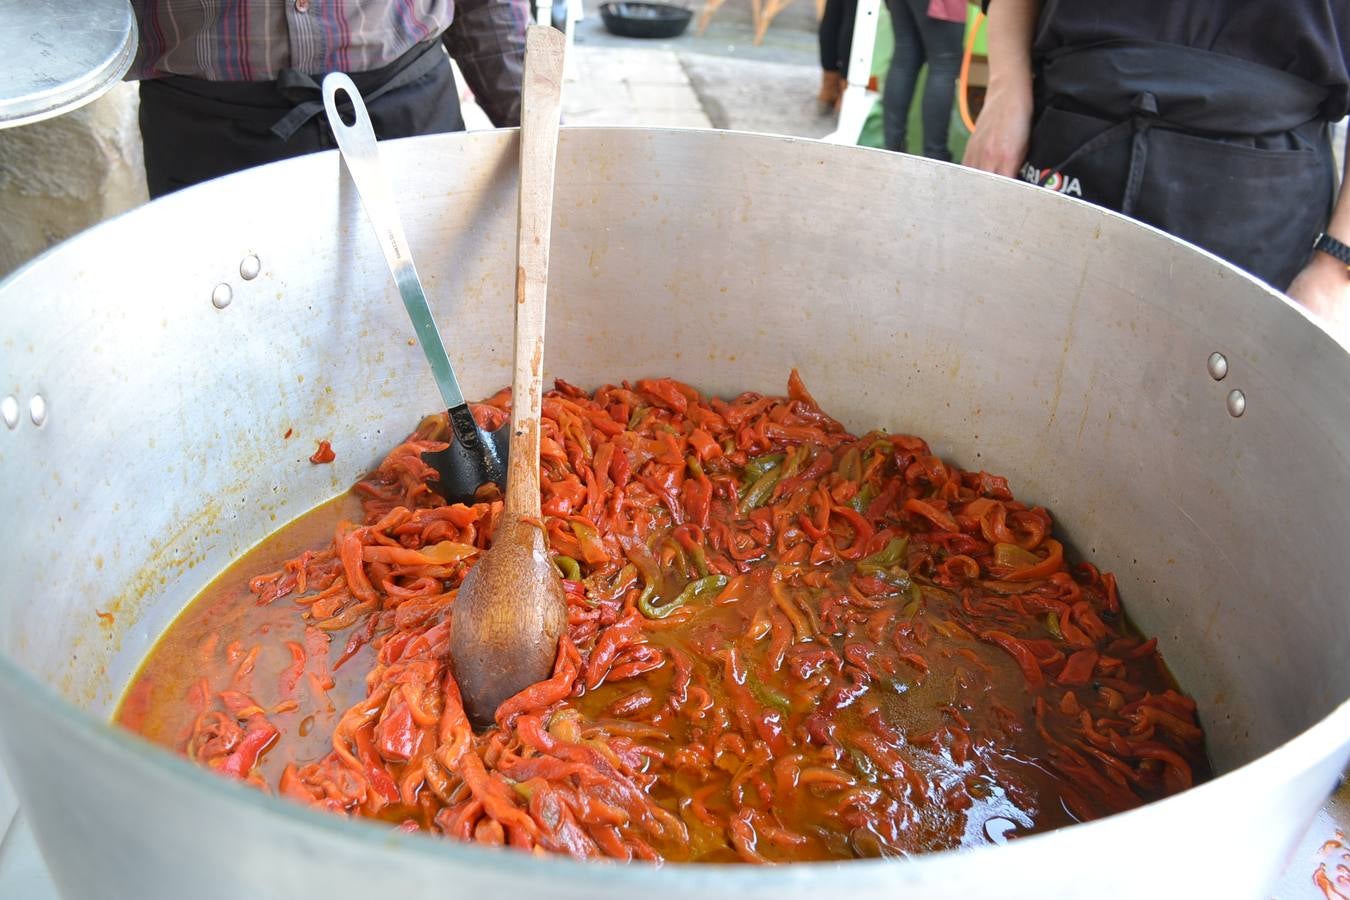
[1055,181]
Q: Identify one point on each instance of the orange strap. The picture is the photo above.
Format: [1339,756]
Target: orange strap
[963,80]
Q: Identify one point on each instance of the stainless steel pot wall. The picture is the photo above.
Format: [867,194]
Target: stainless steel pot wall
[1018,331]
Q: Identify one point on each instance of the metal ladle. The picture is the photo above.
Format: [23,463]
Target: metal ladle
[475,458]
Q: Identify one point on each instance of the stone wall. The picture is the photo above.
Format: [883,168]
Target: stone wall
[62,175]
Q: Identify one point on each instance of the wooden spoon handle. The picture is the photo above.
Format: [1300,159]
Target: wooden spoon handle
[540,112]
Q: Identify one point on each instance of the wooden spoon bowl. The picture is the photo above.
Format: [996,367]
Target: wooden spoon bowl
[509,615]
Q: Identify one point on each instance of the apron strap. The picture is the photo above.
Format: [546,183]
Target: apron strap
[1146,106]
[1136,127]
[301,88]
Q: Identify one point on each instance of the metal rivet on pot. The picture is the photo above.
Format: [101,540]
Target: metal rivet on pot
[250,267]
[37,410]
[1218,366]
[221,296]
[9,411]
[1237,403]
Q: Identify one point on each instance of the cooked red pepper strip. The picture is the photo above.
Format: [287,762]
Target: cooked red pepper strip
[1052,563]
[939,517]
[1031,669]
[1079,668]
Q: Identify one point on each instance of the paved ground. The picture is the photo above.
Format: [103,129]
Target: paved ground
[751,95]
[623,85]
[791,39]
[717,80]
[734,84]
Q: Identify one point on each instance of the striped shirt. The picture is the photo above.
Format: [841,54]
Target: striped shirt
[254,40]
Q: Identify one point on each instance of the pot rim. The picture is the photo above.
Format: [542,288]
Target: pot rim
[1327,737]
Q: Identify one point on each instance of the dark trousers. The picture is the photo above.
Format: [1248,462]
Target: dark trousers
[195,130]
[920,38]
[836,35]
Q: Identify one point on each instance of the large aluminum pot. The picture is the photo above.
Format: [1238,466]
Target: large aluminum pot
[1019,331]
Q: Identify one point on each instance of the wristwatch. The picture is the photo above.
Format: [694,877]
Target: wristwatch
[1332,247]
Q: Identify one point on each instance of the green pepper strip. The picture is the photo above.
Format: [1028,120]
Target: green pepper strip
[915,604]
[700,560]
[758,493]
[890,555]
[628,573]
[1052,626]
[1015,557]
[568,566]
[850,466]
[755,468]
[695,466]
[699,588]
[863,763]
[681,559]
[896,577]
[878,449]
[862,499]
[793,464]
[645,601]
[768,696]
[588,538]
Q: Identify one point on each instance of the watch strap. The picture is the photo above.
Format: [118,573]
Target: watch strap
[1332,247]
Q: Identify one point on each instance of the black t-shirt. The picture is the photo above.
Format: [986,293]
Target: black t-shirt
[1308,38]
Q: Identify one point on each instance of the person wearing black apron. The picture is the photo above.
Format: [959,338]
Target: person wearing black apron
[194,130]
[228,85]
[1210,120]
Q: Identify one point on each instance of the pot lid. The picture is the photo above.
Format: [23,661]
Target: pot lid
[56,55]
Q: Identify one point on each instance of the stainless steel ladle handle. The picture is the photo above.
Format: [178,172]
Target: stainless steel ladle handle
[360,153]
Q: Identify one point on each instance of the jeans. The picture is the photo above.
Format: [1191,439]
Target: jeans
[920,39]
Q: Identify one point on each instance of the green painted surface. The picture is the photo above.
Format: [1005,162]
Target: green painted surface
[881,60]
[981,45]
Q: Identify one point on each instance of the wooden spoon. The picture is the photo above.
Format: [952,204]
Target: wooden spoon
[510,611]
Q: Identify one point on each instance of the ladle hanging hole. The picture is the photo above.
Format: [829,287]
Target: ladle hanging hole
[348,115]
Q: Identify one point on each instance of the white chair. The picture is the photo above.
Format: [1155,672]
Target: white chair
[858,101]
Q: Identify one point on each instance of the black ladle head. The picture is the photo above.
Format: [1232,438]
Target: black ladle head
[474,459]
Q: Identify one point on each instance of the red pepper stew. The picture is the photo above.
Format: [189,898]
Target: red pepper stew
[784,643]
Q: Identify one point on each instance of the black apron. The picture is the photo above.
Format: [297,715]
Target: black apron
[1230,155]
[194,130]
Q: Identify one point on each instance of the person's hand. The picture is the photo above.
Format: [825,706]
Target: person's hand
[1323,288]
[999,142]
